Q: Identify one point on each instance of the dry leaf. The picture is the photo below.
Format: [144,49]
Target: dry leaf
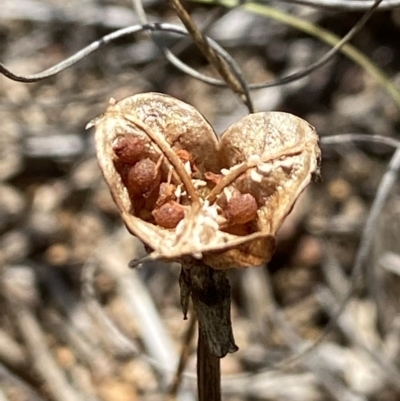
[184,194]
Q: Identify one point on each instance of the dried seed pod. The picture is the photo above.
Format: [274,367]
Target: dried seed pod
[267,157]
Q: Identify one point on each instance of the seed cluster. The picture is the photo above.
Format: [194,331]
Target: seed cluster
[163,202]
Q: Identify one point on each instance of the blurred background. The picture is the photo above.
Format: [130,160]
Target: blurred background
[77,324]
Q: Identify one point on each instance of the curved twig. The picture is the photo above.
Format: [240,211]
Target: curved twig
[307,70]
[345,138]
[328,56]
[171,57]
[175,29]
[381,196]
[292,77]
[240,88]
[70,61]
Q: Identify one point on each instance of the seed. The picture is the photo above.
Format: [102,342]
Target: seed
[129,148]
[169,214]
[241,209]
[143,178]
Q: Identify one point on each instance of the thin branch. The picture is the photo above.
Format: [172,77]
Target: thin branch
[233,80]
[328,56]
[219,50]
[297,75]
[69,62]
[345,138]
[350,51]
[171,57]
[322,34]
[381,196]
[369,231]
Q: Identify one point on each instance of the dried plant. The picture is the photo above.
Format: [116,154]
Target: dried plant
[184,193]
[205,202]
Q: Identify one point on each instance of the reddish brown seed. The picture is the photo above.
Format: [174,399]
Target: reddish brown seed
[143,178]
[169,214]
[129,148]
[241,209]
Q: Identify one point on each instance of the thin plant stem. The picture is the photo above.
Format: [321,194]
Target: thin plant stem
[235,82]
[314,30]
[350,51]
[210,293]
[208,372]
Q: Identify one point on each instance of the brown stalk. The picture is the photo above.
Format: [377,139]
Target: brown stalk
[209,291]
[212,56]
[208,372]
